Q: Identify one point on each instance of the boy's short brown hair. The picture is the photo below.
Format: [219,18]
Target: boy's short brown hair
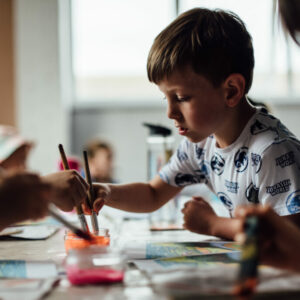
[215,43]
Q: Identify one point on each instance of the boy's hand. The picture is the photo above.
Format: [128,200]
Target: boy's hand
[198,216]
[23,196]
[69,188]
[279,239]
[102,194]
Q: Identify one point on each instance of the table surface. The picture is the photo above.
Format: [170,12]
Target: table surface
[136,284]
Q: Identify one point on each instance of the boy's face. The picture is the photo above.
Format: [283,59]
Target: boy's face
[196,106]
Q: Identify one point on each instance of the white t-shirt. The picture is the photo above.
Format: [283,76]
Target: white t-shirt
[261,166]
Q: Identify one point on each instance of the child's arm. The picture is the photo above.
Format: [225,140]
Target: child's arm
[135,197]
[279,239]
[199,217]
[23,196]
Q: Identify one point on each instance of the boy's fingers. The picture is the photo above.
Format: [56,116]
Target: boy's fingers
[198,198]
[98,205]
[240,237]
[86,209]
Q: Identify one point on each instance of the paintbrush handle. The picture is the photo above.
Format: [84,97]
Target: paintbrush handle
[60,219]
[91,193]
[94,220]
[78,207]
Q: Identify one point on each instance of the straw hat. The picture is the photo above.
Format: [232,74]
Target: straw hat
[10,141]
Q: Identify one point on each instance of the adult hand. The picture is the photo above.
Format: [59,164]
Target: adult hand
[198,216]
[69,189]
[279,239]
[23,196]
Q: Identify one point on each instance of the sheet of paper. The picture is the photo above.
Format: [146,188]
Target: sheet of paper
[9,231]
[27,269]
[25,289]
[38,232]
[187,262]
[196,281]
[210,280]
[152,250]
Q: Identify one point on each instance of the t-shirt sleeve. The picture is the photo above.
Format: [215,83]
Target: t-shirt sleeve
[184,167]
[278,178]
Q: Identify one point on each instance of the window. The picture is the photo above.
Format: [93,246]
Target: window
[111,41]
[277,58]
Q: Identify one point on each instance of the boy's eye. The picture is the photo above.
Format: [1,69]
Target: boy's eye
[182,99]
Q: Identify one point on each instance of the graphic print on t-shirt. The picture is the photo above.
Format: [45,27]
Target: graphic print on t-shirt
[217,164]
[252,193]
[256,161]
[293,202]
[226,200]
[241,159]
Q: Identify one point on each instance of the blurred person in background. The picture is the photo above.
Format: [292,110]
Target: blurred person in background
[100,155]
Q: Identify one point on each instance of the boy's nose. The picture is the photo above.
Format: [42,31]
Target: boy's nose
[172,111]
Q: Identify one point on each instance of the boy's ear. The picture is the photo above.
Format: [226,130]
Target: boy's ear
[234,88]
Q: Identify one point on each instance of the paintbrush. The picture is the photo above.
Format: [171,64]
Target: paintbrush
[248,273]
[78,207]
[91,193]
[74,229]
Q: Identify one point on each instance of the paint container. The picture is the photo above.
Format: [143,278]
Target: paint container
[72,241]
[95,265]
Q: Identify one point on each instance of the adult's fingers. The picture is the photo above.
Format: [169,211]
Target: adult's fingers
[79,191]
[82,180]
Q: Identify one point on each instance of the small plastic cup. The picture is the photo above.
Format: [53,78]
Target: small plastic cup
[72,241]
[95,265]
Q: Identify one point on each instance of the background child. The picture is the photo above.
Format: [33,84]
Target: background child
[203,63]
[100,156]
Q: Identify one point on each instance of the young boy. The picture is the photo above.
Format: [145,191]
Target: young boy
[203,63]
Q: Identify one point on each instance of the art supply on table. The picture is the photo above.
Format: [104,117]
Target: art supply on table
[79,210]
[95,265]
[91,193]
[248,274]
[72,241]
[82,234]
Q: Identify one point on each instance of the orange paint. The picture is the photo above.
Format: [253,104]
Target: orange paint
[72,241]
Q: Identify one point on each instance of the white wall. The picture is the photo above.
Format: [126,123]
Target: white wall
[40,88]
